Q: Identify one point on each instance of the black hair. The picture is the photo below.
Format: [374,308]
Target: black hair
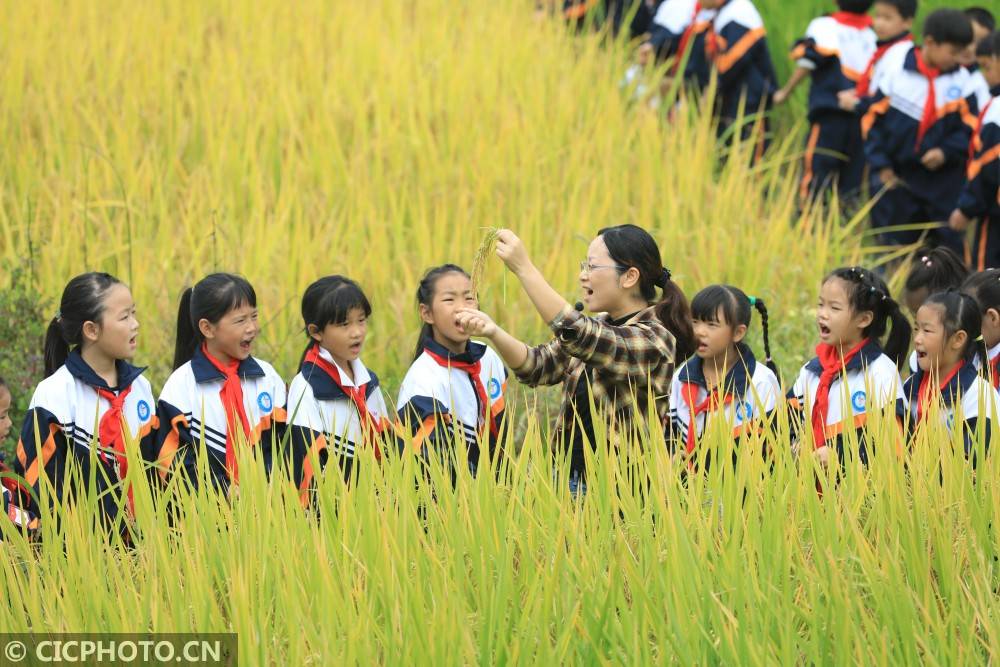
[989,46]
[735,307]
[936,270]
[982,16]
[82,301]
[855,6]
[948,26]
[330,300]
[866,291]
[425,296]
[3,384]
[210,299]
[961,313]
[906,8]
[632,246]
[984,287]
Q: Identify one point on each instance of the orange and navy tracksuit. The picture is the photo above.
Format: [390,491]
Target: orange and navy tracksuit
[980,198]
[679,28]
[736,46]
[448,399]
[836,49]
[223,408]
[76,419]
[888,55]
[914,110]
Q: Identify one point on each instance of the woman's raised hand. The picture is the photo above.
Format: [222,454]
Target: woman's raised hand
[476,323]
[511,250]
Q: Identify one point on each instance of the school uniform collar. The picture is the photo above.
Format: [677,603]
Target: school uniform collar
[865,357]
[910,62]
[737,380]
[323,386]
[204,371]
[995,91]
[951,394]
[473,351]
[81,370]
[905,35]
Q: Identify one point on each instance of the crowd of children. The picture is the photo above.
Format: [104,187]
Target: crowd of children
[910,124]
[644,357]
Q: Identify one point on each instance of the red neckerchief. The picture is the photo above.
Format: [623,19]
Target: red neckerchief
[369,427]
[978,132]
[924,392]
[852,20]
[472,369]
[686,37]
[689,392]
[929,116]
[865,82]
[232,402]
[110,435]
[832,365]
[995,366]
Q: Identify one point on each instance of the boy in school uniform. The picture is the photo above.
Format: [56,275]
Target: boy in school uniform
[917,131]
[980,198]
[678,28]
[835,52]
[892,21]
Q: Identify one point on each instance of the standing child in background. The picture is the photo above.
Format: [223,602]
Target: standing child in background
[90,401]
[918,129]
[892,21]
[218,394]
[723,378]
[679,28]
[335,403]
[736,46]
[980,197]
[983,24]
[835,52]
[851,375]
[9,487]
[984,287]
[947,327]
[932,270]
[454,392]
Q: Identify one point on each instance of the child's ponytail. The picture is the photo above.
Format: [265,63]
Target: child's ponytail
[82,301]
[897,345]
[761,308]
[210,299]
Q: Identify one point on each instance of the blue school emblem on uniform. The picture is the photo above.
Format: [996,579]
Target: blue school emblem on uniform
[859,401]
[744,412]
[494,387]
[954,93]
[264,402]
[143,410]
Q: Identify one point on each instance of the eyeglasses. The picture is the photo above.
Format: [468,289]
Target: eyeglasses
[587,267]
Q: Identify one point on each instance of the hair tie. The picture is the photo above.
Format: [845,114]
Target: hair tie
[58,316]
[753,301]
[664,278]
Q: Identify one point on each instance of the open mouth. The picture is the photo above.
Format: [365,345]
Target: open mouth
[132,341]
[246,344]
[824,330]
[921,354]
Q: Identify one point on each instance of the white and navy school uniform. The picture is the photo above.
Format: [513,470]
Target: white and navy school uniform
[62,427]
[191,410]
[980,197]
[891,128]
[737,48]
[869,381]
[968,402]
[324,420]
[836,50]
[679,26]
[750,394]
[889,55]
[442,405]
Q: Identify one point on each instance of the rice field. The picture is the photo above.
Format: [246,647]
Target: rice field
[163,140]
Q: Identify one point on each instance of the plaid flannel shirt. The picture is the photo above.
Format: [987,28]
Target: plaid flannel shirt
[627,364]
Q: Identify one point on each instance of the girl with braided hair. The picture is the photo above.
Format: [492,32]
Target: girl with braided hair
[853,373]
[722,378]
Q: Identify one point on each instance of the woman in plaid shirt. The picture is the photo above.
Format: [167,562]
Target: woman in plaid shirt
[620,361]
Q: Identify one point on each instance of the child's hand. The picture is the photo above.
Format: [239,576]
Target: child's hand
[780,97]
[933,159]
[958,221]
[511,250]
[475,323]
[645,53]
[822,455]
[848,100]
[888,177]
